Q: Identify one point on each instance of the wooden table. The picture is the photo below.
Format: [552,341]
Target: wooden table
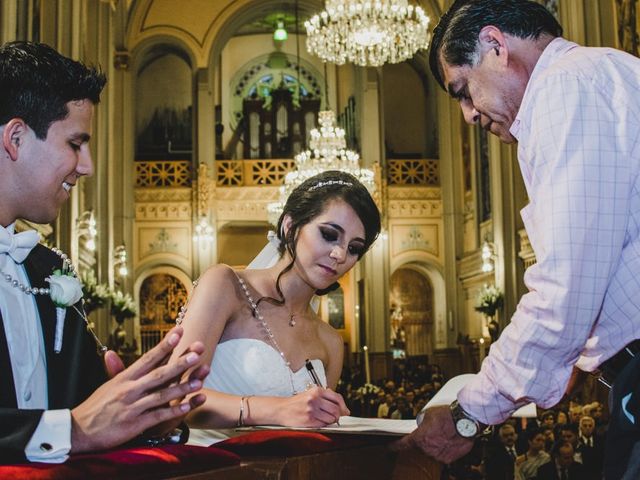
[365,462]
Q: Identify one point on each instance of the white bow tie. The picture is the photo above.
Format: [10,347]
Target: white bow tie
[18,245]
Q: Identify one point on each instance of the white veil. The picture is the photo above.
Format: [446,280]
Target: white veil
[268,257]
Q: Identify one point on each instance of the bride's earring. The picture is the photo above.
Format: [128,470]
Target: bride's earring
[292,320]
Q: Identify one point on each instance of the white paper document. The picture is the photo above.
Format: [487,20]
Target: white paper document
[371,426]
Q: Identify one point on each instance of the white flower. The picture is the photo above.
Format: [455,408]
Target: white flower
[65,290]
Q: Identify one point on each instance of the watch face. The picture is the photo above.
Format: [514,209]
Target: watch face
[466,428]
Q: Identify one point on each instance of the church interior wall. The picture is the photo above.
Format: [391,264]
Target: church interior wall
[238,245]
[398,108]
[405,112]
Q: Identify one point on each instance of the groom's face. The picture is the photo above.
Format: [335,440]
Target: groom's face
[53,166]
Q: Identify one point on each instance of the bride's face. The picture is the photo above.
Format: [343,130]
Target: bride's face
[330,244]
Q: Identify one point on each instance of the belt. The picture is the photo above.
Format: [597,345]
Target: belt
[610,369]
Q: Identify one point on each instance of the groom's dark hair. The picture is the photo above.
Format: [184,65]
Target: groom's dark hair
[36,83]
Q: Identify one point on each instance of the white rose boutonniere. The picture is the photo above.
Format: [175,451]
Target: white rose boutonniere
[65,291]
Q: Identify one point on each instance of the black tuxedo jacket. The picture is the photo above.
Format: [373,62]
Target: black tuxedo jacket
[72,375]
[499,465]
[592,458]
[548,471]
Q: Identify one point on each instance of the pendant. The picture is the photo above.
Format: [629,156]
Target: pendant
[292,321]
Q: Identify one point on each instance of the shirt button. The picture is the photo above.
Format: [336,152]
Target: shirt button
[46,447]
[27,396]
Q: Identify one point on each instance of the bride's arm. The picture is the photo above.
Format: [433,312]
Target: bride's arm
[212,306]
[316,407]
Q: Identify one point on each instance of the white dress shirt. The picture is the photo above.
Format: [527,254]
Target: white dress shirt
[579,153]
[51,440]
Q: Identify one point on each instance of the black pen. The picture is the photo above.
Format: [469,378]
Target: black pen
[312,372]
[314,377]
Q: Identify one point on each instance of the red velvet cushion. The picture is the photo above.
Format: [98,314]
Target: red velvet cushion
[292,443]
[132,463]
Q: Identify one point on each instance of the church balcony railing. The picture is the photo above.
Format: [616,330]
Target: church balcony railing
[414,172]
[240,173]
[245,173]
[257,172]
[163,173]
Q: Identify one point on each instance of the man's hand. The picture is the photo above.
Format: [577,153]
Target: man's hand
[437,437]
[112,363]
[137,398]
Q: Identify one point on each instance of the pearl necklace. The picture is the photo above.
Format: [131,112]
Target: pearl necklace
[270,335]
[263,323]
[67,267]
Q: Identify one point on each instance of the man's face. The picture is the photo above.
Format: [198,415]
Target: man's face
[587,424]
[569,436]
[508,436]
[565,456]
[489,92]
[51,167]
[575,414]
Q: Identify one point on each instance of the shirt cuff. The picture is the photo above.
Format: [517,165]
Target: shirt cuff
[51,441]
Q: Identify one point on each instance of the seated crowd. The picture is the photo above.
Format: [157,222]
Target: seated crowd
[565,443]
[399,398]
[567,440]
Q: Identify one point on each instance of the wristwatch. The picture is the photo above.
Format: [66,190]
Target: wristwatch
[466,425]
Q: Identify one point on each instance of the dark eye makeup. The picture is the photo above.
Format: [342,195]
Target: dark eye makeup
[331,235]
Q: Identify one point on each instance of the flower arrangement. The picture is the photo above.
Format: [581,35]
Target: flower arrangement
[490,300]
[95,294]
[368,389]
[122,306]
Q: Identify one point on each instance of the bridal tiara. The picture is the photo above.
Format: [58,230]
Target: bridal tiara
[328,183]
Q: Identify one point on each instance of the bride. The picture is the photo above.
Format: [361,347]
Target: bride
[257,325]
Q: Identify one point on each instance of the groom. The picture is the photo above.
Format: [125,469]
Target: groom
[57,401]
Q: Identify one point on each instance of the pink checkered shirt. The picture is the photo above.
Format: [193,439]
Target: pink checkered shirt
[578,131]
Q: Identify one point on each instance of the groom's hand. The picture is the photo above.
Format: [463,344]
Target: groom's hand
[139,397]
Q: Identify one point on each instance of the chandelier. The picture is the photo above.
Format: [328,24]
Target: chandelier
[328,151]
[367,32]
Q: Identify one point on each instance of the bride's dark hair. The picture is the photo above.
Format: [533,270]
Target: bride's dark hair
[309,200]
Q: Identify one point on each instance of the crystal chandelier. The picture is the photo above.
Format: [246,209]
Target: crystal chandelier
[328,151]
[367,32]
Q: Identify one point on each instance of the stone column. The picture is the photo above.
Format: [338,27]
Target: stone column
[204,254]
[451,175]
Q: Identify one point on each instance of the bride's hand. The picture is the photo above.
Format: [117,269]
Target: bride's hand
[317,407]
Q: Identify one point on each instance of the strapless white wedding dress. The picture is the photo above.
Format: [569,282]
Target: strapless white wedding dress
[246,366]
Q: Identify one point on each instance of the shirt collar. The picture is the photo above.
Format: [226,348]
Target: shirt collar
[556,48]
[11,228]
